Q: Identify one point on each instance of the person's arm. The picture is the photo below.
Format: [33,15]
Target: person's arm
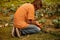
[30,15]
[31,19]
[35,23]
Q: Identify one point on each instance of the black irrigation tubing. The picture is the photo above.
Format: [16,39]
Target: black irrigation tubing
[55,34]
[52,33]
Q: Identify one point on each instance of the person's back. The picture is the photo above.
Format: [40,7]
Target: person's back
[23,13]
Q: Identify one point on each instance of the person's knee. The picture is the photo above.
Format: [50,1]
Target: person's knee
[36,27]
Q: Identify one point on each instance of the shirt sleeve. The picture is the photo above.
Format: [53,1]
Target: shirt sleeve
[31,12]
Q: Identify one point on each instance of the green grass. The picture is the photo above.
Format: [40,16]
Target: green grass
[5,34]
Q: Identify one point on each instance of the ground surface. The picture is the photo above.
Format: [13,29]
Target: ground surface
[5,34]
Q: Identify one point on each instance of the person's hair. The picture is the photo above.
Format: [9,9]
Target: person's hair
[37,4]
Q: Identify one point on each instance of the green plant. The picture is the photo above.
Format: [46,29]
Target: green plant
[57,12]
[39,14]
[56,23]
[43,20]
[5,12]
[0,9]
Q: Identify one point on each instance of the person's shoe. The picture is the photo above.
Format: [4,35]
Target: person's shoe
[13,32]
[18,32]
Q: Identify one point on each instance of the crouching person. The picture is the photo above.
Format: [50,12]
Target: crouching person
[24,20]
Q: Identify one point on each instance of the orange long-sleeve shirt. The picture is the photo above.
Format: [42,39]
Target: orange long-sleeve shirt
[23,13]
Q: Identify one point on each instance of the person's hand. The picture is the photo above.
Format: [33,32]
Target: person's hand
[38,24]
